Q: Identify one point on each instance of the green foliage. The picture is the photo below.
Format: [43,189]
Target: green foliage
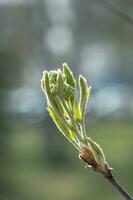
[68,114]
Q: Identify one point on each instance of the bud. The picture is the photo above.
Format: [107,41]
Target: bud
[69,76]
[93,155]
[68,114]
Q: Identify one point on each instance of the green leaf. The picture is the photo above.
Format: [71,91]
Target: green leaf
[50,96]
[43,86]
[76,110]
[61,124]
[60,84]
[84,94]
[52,77]
[68,92]
[72,134]
[69,76]
[59,105]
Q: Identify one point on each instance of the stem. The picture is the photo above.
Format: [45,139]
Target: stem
[123,192]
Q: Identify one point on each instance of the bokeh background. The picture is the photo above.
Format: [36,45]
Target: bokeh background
[95,37]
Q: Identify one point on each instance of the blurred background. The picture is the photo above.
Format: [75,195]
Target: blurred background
[95,38]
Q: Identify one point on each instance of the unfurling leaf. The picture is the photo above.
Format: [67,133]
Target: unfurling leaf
[69,76]
[84,94]
[61,124]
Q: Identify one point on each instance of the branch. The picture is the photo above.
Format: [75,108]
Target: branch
[117,11]
[123,192]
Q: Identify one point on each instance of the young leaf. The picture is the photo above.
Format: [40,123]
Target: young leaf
[69,76]
[84,94]
[60,84]
[61,124]
[50,97]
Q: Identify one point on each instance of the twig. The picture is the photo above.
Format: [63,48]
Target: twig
[123,192]
[117,11]
[108,175]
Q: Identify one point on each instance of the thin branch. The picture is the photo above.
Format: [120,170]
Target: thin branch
[108,175]
[124,193]
[117,11]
